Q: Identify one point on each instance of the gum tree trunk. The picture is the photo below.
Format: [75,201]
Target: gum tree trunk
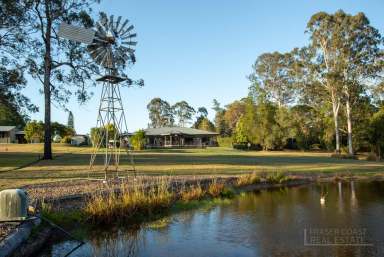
[335,108]
[47,86]
[349,125]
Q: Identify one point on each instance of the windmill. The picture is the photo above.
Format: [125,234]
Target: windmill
[110,44]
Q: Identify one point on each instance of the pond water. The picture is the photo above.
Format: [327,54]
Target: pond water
[279,222]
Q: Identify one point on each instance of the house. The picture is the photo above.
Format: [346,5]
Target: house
[57,138]
[7,134]
[20,137]
[11,134]
[78,140]
[179,137]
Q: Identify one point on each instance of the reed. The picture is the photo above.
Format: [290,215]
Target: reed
[124,203]
[248,179]
[215,188]
[277,178]
[192,193]
[143,201]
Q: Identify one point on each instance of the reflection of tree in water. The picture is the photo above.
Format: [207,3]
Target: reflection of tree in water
[116,243]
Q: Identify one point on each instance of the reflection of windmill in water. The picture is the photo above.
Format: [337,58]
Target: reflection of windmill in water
[110,45]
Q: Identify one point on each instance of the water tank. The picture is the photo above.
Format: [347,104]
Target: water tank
[13,205]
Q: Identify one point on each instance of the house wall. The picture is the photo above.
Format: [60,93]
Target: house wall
[180,141]
[8,136]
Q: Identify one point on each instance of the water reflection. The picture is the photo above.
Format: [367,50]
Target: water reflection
[262,223]
[353,195]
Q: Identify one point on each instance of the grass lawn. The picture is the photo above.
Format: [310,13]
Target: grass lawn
[72,163]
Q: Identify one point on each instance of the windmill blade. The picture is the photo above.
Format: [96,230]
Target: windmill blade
[96,53]
[123,26]
[120,53]
[110,25]
[98,40]
[107,61]
[129,36]
[117,23]
[127,49]
[74,33]
[104,21]
[100,57]
[95,50]
[130,51]
[127,30]
[130,43]
[101,29]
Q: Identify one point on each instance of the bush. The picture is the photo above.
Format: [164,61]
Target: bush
[193,193]
[344,156]
[227,193]
[245,147]
[315,147]
[224,141]
[66,140]
[372,157]
[277,178]
[248,179]
[215,189]
[138,140]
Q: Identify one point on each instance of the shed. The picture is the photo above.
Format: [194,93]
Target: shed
[7,134]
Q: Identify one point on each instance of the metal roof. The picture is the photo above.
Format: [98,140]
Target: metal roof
[6,128]
[163,131]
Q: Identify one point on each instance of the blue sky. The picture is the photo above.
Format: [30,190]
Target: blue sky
[198,50]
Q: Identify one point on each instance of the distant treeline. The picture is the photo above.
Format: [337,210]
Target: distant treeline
[325,95]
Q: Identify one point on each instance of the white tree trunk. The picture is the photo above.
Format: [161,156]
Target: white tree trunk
[335,108]
[349,125]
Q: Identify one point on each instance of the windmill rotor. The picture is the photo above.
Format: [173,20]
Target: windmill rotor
[113,45]
[110,43]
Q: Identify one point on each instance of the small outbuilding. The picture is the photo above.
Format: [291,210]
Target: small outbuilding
[79,140]
[179,137]
[7,134]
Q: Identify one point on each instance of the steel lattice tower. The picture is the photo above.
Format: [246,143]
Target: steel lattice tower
[111,126]
[110,44]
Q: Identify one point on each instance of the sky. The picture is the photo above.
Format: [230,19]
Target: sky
[198,50]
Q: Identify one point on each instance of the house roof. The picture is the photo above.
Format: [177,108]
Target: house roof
[6,128]
[163,131]
[79,136]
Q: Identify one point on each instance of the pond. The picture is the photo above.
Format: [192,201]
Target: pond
[279,222]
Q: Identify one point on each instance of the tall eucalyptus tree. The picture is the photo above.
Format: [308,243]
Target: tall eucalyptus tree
[348,56]
[56,63]
[323,60]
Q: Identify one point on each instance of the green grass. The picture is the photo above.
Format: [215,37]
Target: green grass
[73,163]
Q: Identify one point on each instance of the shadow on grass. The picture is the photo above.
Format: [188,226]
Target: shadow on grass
[146,158]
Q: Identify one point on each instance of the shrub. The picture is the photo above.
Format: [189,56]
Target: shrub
[224,141]
[138,140]
[372,157]
[215,189]
[247,179]
[227,193]
[245,147]
[344,156]
[277,178]
[66,140]
[192,193]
